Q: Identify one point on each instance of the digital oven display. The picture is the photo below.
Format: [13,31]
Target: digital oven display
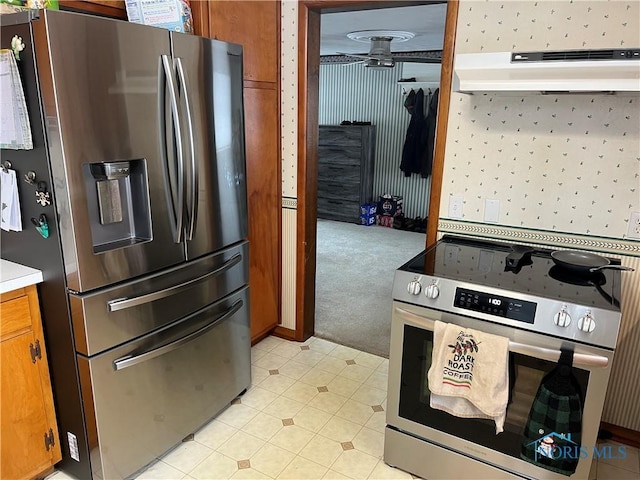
[495,305]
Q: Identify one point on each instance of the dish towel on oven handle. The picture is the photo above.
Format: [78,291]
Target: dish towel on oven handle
[469,373]
[553,433]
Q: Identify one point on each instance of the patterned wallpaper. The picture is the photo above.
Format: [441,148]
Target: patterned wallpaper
[289,96]
[564,163]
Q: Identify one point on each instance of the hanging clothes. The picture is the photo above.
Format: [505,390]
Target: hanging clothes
[413,151]
[432,113]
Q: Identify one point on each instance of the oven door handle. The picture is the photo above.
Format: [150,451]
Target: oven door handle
[552,355]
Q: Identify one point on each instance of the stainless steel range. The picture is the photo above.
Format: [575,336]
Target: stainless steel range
[503,290]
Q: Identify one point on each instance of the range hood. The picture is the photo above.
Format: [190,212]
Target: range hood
[571,71]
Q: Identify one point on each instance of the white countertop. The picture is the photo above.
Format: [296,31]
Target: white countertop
[14,276]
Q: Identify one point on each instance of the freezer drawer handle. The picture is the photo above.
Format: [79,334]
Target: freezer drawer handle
[129,361]
[122,303]
[579,359]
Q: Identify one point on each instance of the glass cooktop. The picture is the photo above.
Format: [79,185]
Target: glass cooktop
[511,268]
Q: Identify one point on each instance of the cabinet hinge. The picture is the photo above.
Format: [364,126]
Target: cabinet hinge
[49,439]
[36,352]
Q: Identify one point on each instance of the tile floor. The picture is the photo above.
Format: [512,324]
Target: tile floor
[316,410]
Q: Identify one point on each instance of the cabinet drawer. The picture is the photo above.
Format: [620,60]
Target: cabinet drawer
[16,316]
[343,136]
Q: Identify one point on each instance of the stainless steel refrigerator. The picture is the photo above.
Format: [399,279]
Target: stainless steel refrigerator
[139,149]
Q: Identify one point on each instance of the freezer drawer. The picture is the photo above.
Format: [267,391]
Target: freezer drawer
[111,317]
[151,393]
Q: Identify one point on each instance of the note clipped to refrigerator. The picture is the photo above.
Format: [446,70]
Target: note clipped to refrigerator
[15,129]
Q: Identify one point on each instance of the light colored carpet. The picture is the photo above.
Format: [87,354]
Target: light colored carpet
[355,266]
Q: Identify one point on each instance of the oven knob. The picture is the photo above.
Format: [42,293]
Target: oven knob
[562,318]
[432,291]
[587,323]
[414,287]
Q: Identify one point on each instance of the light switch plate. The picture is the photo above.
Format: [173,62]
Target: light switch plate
[455,206]
[491,210]
[634,225]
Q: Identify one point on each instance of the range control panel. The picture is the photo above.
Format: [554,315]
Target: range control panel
[496,305]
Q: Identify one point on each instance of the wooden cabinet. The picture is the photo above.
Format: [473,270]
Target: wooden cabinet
[105,8]
[29,435]
[256,26]
[345,170]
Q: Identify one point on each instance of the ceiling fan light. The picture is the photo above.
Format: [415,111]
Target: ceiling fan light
[367,35]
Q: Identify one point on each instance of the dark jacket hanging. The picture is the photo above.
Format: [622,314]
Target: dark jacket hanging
[415,142]
[431,121]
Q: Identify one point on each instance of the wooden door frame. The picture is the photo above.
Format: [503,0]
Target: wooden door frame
[309,12]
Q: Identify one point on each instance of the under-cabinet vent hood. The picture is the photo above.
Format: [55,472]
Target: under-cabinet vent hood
[571,71]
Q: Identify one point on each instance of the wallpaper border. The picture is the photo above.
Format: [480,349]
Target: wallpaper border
[543,237]
[290,202]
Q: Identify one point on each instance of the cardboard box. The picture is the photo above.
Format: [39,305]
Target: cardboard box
[369,209]
[390,205]
[173,15]
[384,220]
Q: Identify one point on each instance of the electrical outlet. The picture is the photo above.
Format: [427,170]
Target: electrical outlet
[491,210]
[455,206]
[634,225]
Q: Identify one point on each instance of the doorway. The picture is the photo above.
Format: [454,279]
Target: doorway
[308,87]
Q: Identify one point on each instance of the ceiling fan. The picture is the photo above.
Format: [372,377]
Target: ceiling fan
[380,48]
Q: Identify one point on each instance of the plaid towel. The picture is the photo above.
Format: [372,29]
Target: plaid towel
[552,435]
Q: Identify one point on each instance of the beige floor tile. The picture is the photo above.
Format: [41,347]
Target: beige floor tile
[157,471]
[322,346]
[187,455]
[368,360]
[271,361]
[292,438]
[378,380]
[301,392]
[369,395]
[331,364]
[308,357]
[256,353]
[328,402]
[369,441]
[356,412]
[355,464]
[311,418]
[286,349]
[382,471]
[609,472]
[293,369]
[343,386]
[258,397]
[384,367]
[302,469]
[377,421]
[340,429]
[357,373]
[214,434]
[283,407]
[613,451]
[268,343]
[241,446]
[249,474]
[277,383]
[215,466]
[263,426]
[258,374]
[317,377]
[271,460]
[344,353]
[333,475]
[237,415]
[322,450]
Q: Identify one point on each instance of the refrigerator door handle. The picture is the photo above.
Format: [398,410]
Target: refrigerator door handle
[131,360]
[168,78]
[123,303]
[192,196]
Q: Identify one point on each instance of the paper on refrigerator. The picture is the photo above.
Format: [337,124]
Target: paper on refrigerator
[15,128]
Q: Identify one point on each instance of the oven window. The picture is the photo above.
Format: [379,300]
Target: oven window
[525,375]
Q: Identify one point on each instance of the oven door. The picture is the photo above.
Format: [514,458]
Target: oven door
[531,357]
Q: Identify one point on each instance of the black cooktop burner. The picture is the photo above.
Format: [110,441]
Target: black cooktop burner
[527,271]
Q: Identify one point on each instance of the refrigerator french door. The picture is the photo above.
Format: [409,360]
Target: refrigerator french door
[139,139]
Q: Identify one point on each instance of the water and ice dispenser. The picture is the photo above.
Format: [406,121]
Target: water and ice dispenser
[118,203]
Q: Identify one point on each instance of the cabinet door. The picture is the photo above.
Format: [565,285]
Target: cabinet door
[24,418]
[256,26]
[263,188]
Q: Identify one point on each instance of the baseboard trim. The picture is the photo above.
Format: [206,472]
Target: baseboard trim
[622,435]
[286,333]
